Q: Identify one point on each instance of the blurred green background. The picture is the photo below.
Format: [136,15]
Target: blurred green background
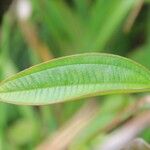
[45,29]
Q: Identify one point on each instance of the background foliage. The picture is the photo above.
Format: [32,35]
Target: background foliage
[63,27]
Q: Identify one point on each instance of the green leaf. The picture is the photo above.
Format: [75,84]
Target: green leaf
[75,77]
[104,21]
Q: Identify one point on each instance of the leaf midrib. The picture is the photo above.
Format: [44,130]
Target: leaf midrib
[67,85]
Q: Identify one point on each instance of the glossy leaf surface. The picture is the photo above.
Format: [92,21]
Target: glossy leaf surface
[75,77]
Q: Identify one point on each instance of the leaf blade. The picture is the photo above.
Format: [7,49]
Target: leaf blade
[74,77]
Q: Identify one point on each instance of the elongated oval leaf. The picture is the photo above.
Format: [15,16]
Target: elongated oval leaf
[73,77]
